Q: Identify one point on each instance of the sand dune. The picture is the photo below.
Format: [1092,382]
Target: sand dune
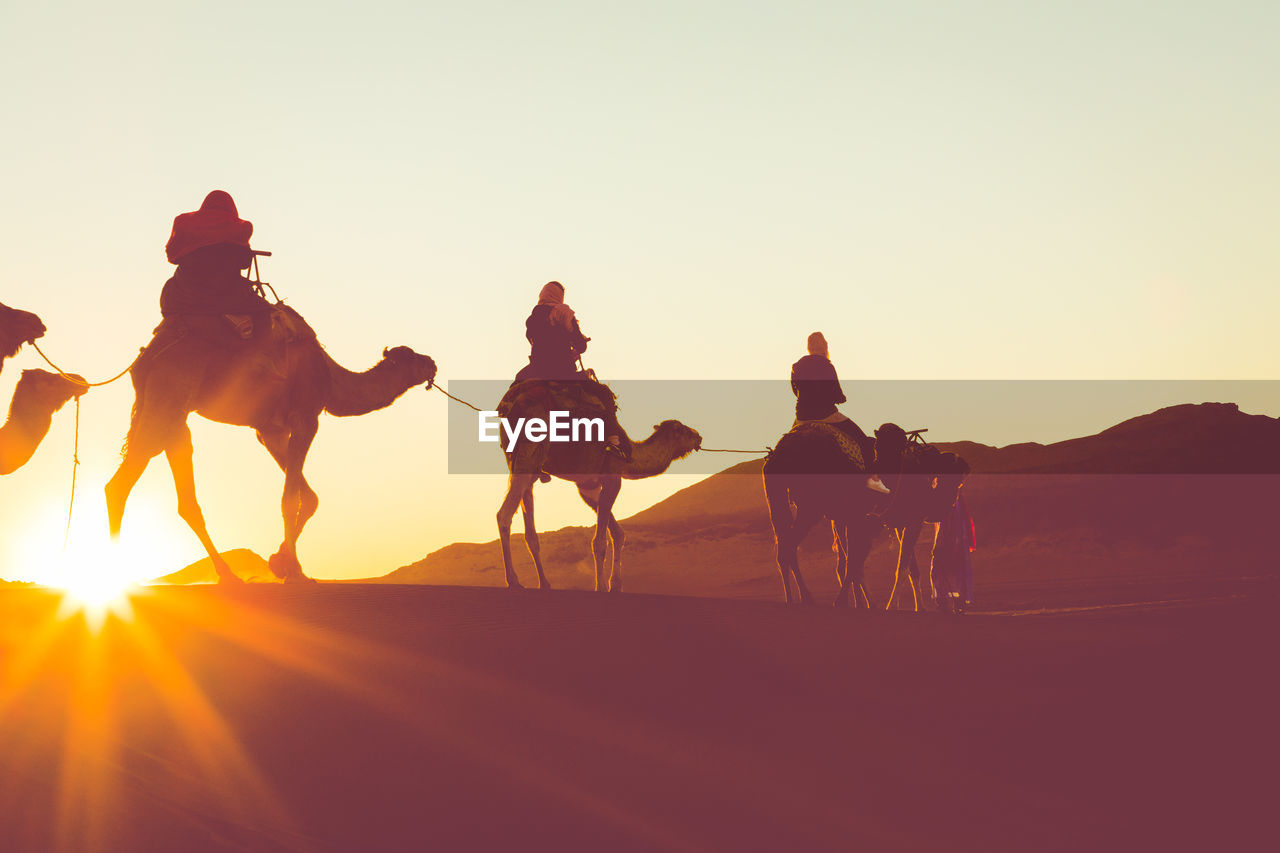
[358,717]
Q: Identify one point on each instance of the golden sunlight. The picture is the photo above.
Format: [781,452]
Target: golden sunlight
[95,574]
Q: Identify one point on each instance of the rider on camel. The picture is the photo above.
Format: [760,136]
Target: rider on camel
[556,346]
[817,389]
[211,248]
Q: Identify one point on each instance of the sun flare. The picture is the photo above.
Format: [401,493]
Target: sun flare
[96,575]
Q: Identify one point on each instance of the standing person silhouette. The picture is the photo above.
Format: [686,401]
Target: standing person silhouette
[817,389]
[210,247]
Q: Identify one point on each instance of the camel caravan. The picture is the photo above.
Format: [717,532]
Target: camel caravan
[224,351]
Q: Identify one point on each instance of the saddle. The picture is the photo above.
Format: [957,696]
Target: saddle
[842,439]
[581,398]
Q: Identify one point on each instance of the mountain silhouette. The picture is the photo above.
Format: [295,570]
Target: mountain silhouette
[245,563]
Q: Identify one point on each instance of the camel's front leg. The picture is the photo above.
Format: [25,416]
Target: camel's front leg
[909,539]
[531,536]
[617,537]
[516,486]
[609,488]
[298,502]
[179,453]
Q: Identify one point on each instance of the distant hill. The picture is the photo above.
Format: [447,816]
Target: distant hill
[245,563]
[1192,487]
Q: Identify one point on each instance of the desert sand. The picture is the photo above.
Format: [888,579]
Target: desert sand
[344,717]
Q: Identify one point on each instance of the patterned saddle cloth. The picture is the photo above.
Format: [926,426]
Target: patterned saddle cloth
[841,438]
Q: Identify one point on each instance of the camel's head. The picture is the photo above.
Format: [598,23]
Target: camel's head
[40,393]
[950,472]
[683,439]
[419,369]
[17,328]
[891,444]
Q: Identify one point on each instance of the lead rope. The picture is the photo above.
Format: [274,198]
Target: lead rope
[75,449]
[75,465]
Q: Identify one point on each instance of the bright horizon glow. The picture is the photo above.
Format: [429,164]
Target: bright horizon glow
[1058,190]
[96,575]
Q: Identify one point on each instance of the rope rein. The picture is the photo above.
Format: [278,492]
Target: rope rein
[436,385]
[71,377]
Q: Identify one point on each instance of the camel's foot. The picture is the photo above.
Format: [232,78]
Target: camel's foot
[842,599]
[615,586]
[299,577]
[228,578]
[514,583]
[284,565]
[543,583]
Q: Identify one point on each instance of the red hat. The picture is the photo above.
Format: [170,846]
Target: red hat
[217,221]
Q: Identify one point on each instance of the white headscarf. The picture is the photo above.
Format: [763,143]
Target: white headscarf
[552,294]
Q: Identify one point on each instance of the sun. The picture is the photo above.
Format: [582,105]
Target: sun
[97,575]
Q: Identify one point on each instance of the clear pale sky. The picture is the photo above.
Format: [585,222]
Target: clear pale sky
[1083,190]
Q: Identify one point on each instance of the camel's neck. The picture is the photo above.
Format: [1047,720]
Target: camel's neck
[650,458]
[352,393]
[26,426]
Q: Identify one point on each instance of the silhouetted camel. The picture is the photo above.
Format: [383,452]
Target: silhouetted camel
[814,467]
[38,395]
[923,490]
[598,476]
[277,383]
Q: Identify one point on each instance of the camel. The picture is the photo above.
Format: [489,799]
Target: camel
[923,491]
[598,475]
[277,383]
[813,468]
[39,393]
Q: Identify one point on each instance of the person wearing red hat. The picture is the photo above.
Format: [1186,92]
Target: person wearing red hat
[210,247]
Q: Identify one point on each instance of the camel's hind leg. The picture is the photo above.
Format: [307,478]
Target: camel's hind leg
[609,488]
[531,536]
[857,538]
[517,485]
[298,502]
[179,453]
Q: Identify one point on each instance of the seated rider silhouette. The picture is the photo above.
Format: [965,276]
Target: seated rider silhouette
[817,389]
[557,344]
[211,247]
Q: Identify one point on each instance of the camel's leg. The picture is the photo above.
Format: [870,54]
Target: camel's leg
[298,502]
[517,484]
[805,520]
[840,544]
[899,536]
[617,537]
[780,516]
[858,538]
[179,454]
[531,536]
[609,488]
[122,483]
[910,536]
[151,430]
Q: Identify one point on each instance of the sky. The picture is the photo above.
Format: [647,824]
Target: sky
[954,190]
